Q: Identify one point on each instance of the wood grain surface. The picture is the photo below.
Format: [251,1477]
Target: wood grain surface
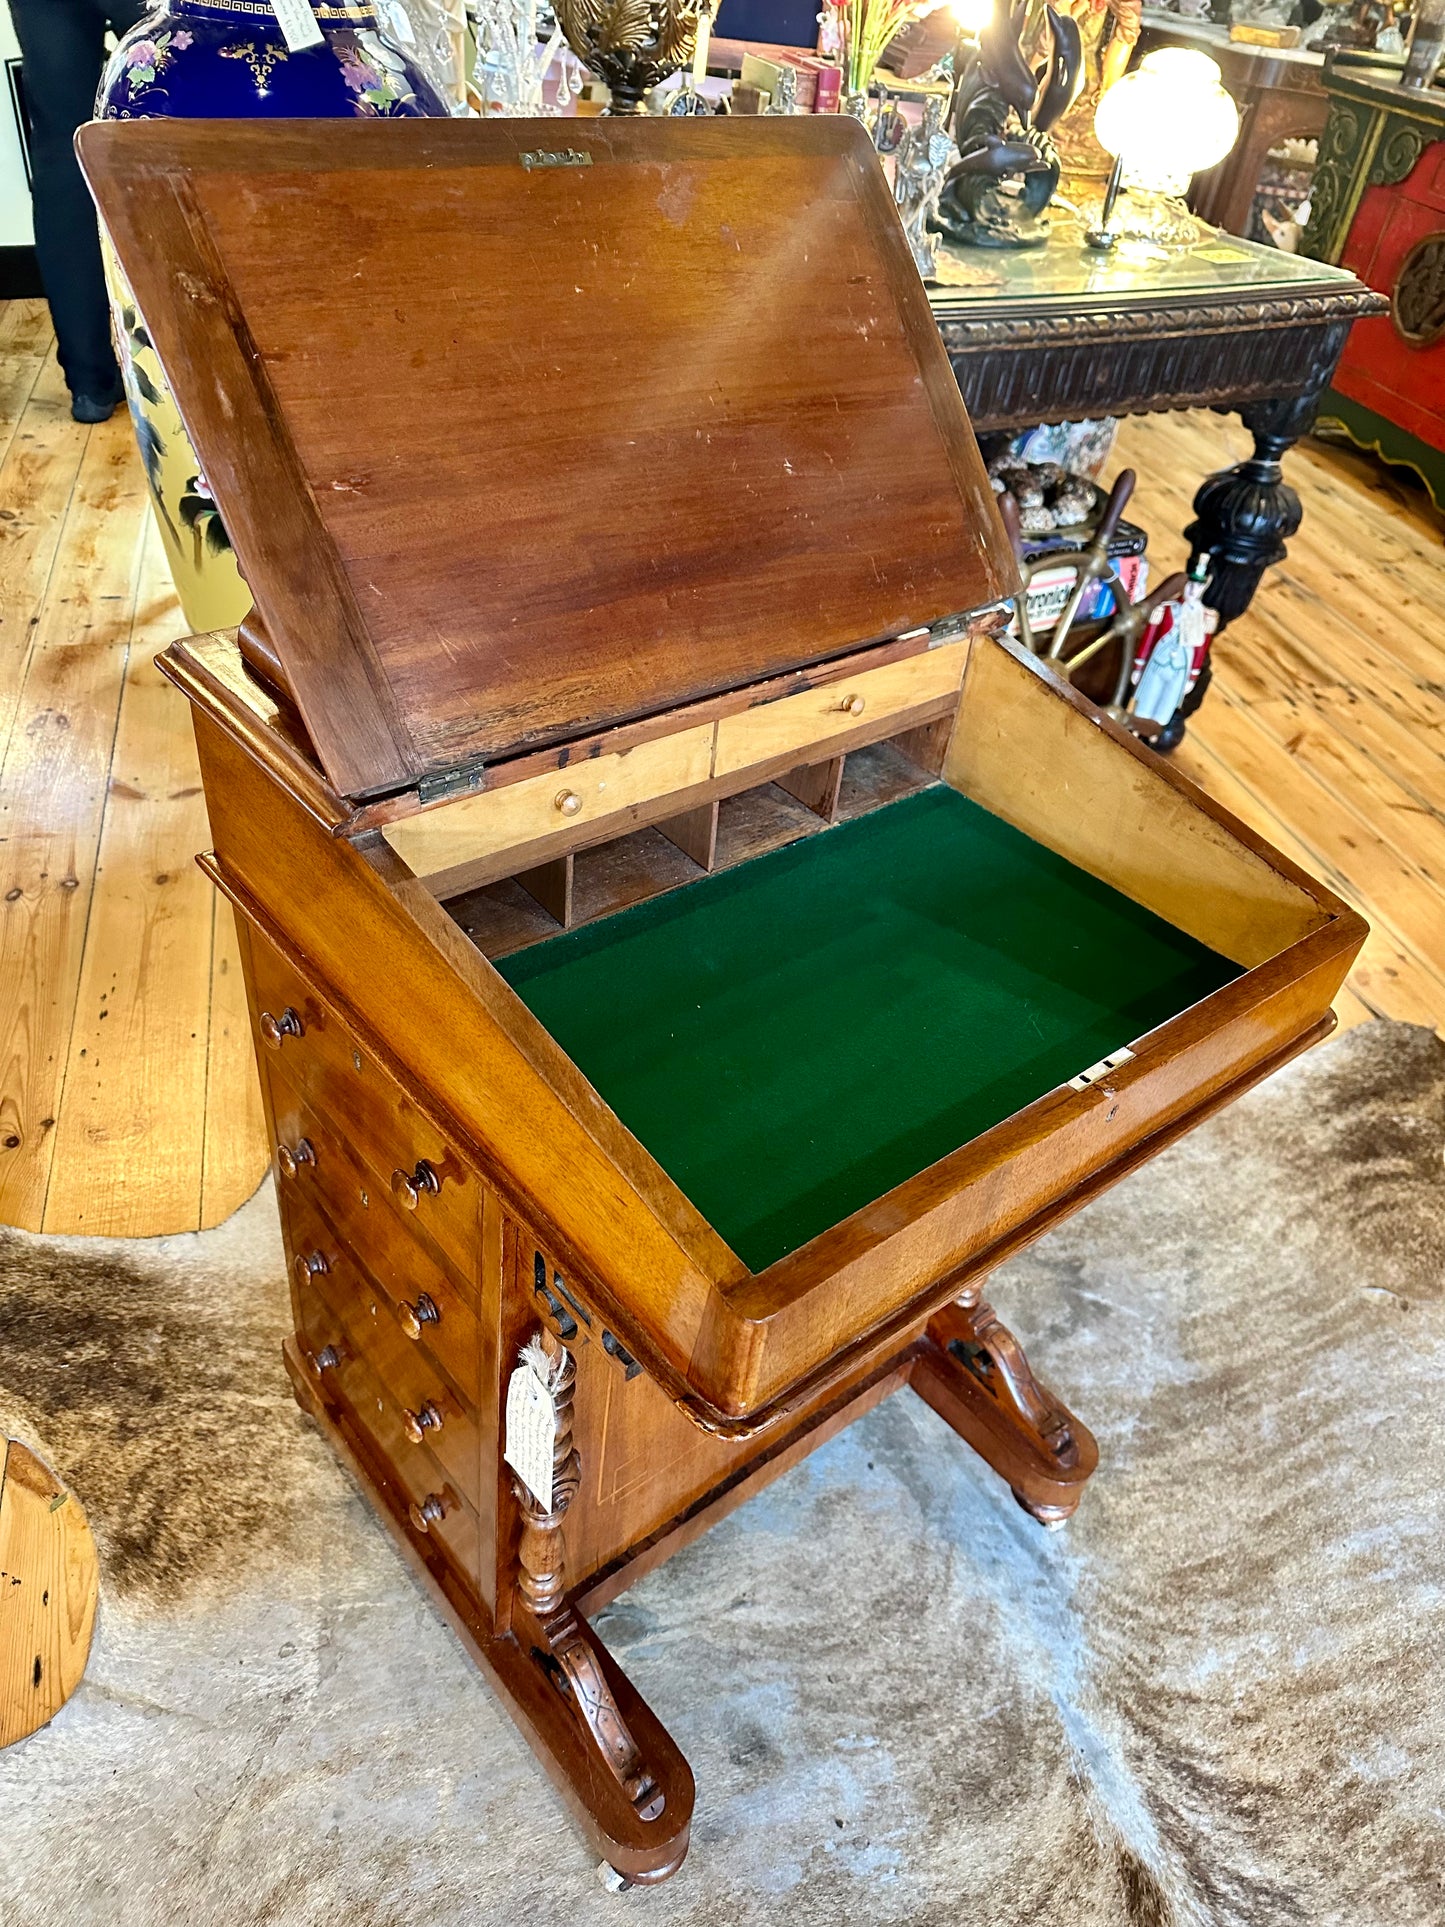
[703,346]
[128,1096]
[49,1583]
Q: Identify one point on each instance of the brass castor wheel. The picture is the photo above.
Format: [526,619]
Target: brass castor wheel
[1053,1517]
[611,1879]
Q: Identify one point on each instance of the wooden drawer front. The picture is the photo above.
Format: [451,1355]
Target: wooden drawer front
[314,1163]
[408,1472]
[392,1272]
[421,1396]
[317,1053]
[814,718]
[584,792]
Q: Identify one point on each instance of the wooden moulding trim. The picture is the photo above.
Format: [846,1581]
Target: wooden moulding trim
[249,718]
[764,1334]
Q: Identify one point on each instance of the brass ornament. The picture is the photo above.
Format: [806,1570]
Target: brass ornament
[630,44]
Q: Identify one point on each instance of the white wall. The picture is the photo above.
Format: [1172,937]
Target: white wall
[15,228]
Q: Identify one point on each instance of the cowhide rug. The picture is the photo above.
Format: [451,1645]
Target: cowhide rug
[1218,1697]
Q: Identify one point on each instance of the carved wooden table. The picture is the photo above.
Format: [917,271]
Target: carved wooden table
[1065,333]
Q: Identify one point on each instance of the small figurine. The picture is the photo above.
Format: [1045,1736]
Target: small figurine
[1171,652]
[1001,115]
[785,100]
[922,159]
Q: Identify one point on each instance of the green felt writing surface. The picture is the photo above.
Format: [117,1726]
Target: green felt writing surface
[792,1038]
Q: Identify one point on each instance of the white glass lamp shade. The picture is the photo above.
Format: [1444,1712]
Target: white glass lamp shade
[1168,120]
[972,16]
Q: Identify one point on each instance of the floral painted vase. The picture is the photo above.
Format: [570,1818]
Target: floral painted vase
[228,60]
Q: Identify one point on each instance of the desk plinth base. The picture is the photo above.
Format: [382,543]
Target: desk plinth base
[612,1760]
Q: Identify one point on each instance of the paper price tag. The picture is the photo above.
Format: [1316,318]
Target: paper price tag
[299,28]
[531,1433]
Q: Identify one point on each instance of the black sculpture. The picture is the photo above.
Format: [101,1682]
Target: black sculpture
[1000,117]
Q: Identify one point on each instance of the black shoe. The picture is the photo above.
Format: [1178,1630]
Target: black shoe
[93,408]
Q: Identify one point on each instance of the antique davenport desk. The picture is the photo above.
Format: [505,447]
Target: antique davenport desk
[688,949]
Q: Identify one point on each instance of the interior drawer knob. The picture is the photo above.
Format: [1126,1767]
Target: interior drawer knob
[853,705]
[416,1425]
[410,1186]
[289,1161]
[309,1265]
[413,1317]
[428,1513]
[326,1360]
[275,1030]
[569,802]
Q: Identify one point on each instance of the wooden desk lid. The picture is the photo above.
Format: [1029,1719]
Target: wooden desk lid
[520,428]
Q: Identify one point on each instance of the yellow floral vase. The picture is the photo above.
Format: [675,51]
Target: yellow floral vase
[212,592]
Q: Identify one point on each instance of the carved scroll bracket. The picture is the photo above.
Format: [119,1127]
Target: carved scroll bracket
[560,1639]
[973,1372]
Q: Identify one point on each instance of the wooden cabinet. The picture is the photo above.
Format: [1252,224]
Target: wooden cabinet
[1379,209]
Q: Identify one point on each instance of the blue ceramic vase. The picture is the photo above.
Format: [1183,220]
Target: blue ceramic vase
[228,60]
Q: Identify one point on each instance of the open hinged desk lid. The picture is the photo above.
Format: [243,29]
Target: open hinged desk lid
[523,428]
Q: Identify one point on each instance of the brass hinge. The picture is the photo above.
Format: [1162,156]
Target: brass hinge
[947,629]
[950,628]
[451,782]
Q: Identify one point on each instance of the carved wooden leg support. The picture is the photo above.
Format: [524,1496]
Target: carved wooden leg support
[560,1639]
[973,1372]
[529,1675]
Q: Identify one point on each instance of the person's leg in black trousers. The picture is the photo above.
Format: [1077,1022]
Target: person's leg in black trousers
[62,51]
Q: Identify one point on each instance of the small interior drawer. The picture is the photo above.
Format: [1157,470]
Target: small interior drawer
[799,723]
[593,788]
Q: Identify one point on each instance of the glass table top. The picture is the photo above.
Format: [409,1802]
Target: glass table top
[1067,271]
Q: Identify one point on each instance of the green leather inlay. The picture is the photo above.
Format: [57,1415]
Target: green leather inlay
[792,1038]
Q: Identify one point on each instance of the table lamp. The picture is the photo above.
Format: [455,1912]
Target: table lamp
[1165,122]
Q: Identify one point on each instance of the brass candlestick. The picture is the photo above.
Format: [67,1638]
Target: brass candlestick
[630,44]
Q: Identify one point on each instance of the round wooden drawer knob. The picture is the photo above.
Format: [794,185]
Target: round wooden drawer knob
[413,1317]
[416,1425]
[309,1265]
[569,802]
[289,1162]
[409,1187]
[853,705]
[275,1030]
[430,1512]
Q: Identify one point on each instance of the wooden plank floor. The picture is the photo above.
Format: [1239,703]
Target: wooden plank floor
[128,1101]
